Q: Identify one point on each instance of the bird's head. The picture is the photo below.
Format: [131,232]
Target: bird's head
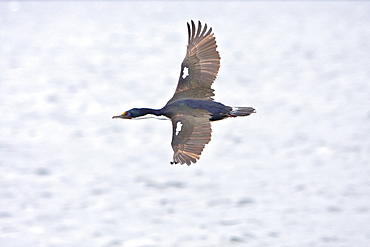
[133,113]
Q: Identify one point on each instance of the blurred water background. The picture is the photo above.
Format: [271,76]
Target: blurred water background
[294,174]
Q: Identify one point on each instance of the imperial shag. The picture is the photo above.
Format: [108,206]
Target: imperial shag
[192,108]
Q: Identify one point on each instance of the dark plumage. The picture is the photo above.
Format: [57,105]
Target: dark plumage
[192,108]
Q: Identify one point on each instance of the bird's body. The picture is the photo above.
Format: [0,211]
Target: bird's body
[216,110]
[192,107]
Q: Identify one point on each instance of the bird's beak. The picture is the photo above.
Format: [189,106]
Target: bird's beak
[123,116]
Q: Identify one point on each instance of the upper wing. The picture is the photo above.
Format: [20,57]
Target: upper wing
[190,134]
[200,66]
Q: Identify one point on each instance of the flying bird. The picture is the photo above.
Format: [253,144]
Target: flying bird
[192,108]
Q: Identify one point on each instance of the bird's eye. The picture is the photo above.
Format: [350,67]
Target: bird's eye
[128,113]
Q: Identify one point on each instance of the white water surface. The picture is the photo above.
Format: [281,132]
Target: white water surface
[296,173]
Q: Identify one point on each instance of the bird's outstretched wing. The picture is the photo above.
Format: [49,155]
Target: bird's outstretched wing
[190,134]
[200,66]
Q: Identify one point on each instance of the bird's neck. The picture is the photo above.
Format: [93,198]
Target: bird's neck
[146,111]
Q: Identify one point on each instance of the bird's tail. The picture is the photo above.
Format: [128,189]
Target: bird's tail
[242,111]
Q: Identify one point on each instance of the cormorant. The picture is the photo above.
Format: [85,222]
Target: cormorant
[192,108]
